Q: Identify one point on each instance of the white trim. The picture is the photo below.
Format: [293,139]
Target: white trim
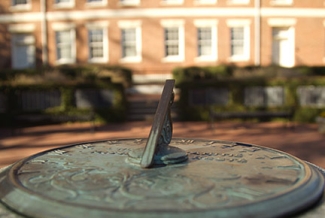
[205,22]
[69,4]
[21,28]
[97,24]
[63,26]
[129,23]
[274,22]
[103,26]
[281,3]
[96,4]
[21,17]
[181,40]
[162,13]
[171,2]
[129,2]
[246,25]
[238,2]
[205,2]
[172,23]
[292,12]
[238,22]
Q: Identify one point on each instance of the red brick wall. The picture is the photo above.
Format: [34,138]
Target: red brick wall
[309,34]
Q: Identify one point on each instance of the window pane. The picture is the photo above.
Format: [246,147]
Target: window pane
[62,1]
[171,41]
[205,41]
[20,2]
[96,37]
[63,44]
[237,41]
[129,48]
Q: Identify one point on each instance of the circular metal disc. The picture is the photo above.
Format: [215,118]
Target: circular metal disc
[220,179]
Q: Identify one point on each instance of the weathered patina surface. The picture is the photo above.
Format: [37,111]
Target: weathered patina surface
[224,179]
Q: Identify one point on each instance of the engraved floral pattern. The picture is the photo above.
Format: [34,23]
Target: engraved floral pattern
[217,175]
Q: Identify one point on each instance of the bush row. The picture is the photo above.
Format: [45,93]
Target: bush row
[236,86]
[195,73]
[65,80]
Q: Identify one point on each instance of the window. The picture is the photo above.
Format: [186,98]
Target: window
[23,50]
[20,2]
[64,3]
[130,41]
[21,5]
[239,40]
[65,43]
[97,45]
[206,40]
[173,40]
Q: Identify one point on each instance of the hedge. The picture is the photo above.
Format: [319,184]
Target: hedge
[231,79]
[66,80]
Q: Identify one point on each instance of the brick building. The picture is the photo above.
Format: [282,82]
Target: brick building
[154,36]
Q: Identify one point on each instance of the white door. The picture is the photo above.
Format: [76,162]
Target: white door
[23,51]
[283,47]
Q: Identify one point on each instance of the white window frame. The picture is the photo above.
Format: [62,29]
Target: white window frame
[129,2]
[96,3]
[238,2]
[23,29]
[57,27]
[214,39]
[181,40]
[172,2]
[281,2]
[21,7]
[135,24]
[69,4]
[102,26]
[205,2]
[233,23]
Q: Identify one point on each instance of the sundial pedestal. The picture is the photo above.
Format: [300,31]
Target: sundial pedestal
[161,176]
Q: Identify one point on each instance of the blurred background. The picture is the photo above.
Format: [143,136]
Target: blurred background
[80,70]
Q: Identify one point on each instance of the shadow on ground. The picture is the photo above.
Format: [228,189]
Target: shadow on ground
[302,141]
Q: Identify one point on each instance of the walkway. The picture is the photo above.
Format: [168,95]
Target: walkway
[303,141]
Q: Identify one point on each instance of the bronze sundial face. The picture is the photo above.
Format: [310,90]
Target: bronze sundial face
[219,179]
[160,177]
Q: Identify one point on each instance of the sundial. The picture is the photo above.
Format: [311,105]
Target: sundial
[161,176]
